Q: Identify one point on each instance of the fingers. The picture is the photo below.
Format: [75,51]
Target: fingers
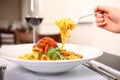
[102,24]
[102,8]
[100,20]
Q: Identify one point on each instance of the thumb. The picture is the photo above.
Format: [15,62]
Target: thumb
[102,8]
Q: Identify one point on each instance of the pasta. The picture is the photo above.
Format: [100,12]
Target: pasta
[68,55]
[65,25]
[47,49]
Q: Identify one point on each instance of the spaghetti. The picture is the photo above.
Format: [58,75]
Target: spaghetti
[65,25]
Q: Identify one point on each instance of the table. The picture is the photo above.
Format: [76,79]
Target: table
[110,60]
[8,32]
[19,36]
[56,37]
[25,37]
[16,72]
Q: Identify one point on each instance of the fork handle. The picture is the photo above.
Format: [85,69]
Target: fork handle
[86,15]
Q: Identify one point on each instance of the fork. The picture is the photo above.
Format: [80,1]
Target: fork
[85,16]
[102,71]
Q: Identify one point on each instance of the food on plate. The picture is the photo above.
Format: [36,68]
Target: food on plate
[47,49]
[65,25]
[44,44]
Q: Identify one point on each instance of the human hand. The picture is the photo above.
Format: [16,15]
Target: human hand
[108,18]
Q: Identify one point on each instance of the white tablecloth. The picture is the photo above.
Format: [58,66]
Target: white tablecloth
[16,72]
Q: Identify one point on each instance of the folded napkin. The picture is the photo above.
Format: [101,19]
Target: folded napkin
[105,67]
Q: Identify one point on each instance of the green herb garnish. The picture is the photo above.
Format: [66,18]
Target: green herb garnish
[55,53]
[40,54]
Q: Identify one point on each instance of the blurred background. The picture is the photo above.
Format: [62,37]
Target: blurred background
[13,13]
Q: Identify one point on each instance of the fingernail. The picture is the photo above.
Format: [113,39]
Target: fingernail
[100,15]
[104,22]
[101,19]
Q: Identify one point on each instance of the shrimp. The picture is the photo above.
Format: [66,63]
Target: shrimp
[44,44]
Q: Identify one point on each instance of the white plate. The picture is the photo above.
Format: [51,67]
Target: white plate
[12,52]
